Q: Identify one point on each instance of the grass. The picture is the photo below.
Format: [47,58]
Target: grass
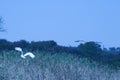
[49,66]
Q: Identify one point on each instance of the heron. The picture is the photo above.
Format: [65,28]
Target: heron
[26,54]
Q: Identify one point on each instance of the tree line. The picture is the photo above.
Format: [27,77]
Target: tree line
[91,50]
[48,46]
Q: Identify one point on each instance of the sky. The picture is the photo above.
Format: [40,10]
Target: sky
[63,21]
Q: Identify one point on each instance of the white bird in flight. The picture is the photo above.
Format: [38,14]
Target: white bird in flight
[26,54]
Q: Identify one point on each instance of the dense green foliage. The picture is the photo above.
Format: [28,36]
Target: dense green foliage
[48,46]
[91,50]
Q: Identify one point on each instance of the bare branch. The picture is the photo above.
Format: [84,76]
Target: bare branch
[1,25]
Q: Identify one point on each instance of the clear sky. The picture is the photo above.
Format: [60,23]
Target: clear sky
[62,20]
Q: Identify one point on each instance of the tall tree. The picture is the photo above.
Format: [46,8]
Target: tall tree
[90,49]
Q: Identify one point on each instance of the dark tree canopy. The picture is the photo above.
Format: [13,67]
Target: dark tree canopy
[91,49]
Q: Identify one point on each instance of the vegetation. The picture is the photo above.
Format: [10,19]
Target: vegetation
[87,61]
[53,66]
[91,50]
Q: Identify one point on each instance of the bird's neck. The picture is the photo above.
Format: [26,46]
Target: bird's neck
[22,54]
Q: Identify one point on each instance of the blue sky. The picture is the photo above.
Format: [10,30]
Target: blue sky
[62,20]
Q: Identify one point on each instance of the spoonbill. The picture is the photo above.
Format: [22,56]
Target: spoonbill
[26,54]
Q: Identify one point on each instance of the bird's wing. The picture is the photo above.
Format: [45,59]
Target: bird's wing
[29,54]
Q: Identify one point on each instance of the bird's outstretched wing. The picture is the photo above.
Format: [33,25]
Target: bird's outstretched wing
[29,54]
